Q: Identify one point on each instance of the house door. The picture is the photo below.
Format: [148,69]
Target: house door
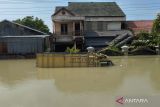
[3,48]
[77,29]
[64,29]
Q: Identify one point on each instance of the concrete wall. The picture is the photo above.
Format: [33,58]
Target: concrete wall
[101,25]
[90,23]
[89,26]
[65,60]
[58,27]
[60,13]
[105,18]
[114,26]
[71,27]
[61,18]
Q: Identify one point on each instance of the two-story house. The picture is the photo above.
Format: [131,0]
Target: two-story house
[84,24]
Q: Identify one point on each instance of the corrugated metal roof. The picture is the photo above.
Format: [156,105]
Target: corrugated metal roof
[29,36]
[23,26]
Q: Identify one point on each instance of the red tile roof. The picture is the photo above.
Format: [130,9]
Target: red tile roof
[141,25]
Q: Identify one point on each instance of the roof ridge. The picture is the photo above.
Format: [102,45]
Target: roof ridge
[24,26]
[69,3]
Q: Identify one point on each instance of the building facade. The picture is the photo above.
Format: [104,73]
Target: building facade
[19,39]
[84,24]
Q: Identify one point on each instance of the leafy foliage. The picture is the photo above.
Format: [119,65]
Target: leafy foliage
[146,39]
[32,22]
[156,25]
[143,36]
[113,48]
[154,40]
[111,51]
[72,50]
[139,43]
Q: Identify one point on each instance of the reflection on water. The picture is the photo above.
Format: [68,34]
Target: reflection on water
[24,85]
[83,80]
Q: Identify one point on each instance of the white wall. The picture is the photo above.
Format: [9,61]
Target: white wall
[114,26]
[105,18]
[103,26]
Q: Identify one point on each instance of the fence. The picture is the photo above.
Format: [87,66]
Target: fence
[49,60]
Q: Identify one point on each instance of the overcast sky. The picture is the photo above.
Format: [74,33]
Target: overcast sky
[134,9]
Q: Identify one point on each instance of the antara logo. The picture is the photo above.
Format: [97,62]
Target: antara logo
[122,100]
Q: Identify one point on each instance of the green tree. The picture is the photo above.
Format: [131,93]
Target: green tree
[143,39]
[34,23]
[156,30]
[146,39]
[156,25]
[143,35]
[154,39]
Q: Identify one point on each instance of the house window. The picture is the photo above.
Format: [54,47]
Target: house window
[64,29]
[100,26]
[106,26]
[89,26]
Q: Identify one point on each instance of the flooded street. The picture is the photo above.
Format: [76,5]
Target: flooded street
[24,85]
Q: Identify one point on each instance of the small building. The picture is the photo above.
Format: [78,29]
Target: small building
[140,25]
[87,24]
[19,39]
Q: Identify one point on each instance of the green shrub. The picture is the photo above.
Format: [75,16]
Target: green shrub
[113,48]
[72,50]
[143,35]
[139,43]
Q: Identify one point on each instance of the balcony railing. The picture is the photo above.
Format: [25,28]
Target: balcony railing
[68,37]
[75,33]
[63,39]
[67,18]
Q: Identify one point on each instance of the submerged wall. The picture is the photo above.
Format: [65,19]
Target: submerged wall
[49,60]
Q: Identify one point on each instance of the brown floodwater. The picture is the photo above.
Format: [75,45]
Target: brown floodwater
[24,85]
